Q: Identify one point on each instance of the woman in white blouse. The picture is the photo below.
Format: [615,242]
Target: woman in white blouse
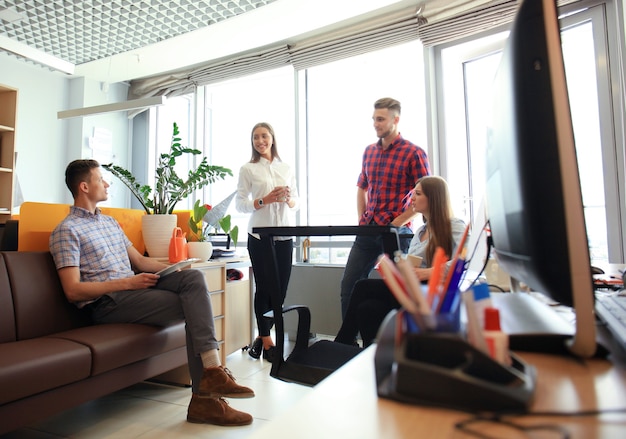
[267,189]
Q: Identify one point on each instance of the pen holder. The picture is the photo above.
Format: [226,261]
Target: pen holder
[407,323]
[439,368]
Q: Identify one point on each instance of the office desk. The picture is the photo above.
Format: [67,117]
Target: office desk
[345,405]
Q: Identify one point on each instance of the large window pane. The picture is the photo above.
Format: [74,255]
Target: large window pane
[579,56]
[340,99]
[178,110]
[231,110]
[468,71]
[466,93]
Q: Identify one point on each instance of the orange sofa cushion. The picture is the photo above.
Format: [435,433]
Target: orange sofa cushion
[38,220]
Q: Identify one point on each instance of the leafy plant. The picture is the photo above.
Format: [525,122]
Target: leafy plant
[224,224]
[198,233]
[195,222]
[169,188]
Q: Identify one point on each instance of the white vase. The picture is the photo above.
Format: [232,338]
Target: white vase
[201,250]
[157,232]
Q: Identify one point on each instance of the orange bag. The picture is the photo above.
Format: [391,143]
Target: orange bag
[178,246]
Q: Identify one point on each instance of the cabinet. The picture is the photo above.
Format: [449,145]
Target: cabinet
[8,111]
[238,303]
[231,302]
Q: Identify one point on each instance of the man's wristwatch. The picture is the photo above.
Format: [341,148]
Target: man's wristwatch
[260,201]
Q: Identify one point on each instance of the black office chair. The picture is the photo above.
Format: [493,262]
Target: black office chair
[8,239]
[309,362]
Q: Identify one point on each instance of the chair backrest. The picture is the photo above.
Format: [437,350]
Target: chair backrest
[310,364]
[8,240]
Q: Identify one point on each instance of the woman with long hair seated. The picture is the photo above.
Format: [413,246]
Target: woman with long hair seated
[371,300]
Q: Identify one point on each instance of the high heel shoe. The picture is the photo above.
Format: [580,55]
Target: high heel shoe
[255,348]
[269,354]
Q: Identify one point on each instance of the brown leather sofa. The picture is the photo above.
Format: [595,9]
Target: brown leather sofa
[53,358]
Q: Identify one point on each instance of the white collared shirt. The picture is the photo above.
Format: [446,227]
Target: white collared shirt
[258,179]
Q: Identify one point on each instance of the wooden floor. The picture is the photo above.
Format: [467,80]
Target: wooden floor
[149,410]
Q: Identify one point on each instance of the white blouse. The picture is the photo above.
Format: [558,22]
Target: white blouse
[257,180]
[418,248]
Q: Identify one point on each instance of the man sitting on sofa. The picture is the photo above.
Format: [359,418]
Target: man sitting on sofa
[95,262]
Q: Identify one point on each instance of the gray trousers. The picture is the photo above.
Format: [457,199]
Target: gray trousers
[182,295]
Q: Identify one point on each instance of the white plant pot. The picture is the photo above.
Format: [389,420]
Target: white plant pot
[200,250]
[157,232]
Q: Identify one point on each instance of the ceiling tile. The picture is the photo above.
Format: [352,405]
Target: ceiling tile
[83,31]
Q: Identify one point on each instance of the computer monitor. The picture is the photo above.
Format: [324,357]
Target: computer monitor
[533,196]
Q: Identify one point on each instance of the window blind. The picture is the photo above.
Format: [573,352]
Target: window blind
[448,22]
[484,18]
[183,82]
[479,16]
[403,30]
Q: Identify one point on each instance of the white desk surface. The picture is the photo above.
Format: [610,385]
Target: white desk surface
[346,406]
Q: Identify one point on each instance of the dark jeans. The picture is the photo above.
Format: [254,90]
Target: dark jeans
[262,272]
[370,303]
[362,259]
[182,295]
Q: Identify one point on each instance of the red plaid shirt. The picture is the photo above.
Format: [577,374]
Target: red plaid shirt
[389,176]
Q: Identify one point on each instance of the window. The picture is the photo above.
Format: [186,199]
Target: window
[231,109]
[218,119]
[322,117]
[178,110]
[466,73]
[340,100]
[338,121]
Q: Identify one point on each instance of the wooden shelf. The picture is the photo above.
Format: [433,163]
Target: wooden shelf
[8,110]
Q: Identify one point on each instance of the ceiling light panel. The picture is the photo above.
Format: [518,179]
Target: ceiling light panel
[81,31]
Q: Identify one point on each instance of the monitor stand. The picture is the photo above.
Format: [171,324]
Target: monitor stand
[533,326]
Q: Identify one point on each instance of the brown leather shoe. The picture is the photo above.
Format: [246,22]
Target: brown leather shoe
[218,382]
[215,411]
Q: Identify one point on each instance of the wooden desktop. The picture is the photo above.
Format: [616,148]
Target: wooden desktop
[345,405]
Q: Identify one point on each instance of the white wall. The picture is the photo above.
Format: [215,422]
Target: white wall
[45,144]
[317,287]
[39,138]
[86,93]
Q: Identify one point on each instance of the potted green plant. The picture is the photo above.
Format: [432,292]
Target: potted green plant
[199,243]
[169,189]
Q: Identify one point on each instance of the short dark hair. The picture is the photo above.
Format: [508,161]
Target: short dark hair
[388,103]
[77,172]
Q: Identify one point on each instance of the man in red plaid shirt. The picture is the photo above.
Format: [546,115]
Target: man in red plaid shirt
[390,169]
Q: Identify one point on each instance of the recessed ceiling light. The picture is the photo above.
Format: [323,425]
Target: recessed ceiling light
[10,16]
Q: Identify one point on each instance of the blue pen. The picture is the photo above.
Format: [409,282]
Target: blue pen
[456,276]
[453,287]
[411,325]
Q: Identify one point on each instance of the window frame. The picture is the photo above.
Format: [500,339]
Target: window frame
[611,106]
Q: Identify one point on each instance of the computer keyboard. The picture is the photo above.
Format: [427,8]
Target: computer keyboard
[611,308]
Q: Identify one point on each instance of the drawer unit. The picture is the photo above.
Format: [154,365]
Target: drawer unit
[231,303]
[217,303]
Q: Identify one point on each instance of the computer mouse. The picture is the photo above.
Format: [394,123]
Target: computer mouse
[596,270]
